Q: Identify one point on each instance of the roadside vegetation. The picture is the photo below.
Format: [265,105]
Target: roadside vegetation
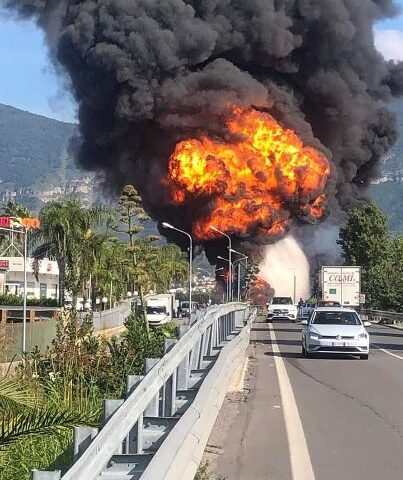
[365,240]
[53,392]
[100,253]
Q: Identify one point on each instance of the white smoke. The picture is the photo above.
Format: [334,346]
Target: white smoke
[282,261]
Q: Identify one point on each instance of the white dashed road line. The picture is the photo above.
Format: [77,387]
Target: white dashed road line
[300,460]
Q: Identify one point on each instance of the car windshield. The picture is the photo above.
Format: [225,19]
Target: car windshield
[156,310]
[185,305]
[336,318]
[282,301]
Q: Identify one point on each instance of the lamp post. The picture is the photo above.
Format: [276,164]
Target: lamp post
[229,270]
[229,258]
[295,283]
[239,270]
[168,225]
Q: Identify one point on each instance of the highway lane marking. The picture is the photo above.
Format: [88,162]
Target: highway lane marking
[301,465]
[387,351]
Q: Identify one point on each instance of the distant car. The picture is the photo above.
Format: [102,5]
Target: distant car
[306,310]
[282,308]
[335,330]
[184,308]
[328,303]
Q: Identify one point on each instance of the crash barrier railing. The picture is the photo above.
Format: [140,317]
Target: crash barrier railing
[384,317]
[107,319]
[160,430]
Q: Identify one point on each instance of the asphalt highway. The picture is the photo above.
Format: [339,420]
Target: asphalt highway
[323,418]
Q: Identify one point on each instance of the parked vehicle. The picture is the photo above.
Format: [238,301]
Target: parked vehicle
[184,308]
[341,284]
[282,308]
[160,308]
[336,331]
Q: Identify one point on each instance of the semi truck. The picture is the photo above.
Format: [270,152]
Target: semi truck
[160,308]
[341,284]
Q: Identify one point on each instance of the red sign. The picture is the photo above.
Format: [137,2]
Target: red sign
[4,264]
[5,222]
[8,222]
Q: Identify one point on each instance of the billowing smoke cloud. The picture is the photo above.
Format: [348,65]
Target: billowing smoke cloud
[286,268]
[149,73]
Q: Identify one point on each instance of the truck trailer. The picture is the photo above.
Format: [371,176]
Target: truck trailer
[341,284]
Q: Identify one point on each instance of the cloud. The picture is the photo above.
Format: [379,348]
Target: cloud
[390,43]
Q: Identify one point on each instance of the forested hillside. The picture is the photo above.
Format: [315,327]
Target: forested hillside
[31,146]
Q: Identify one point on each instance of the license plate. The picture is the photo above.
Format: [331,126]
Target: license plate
[338,344]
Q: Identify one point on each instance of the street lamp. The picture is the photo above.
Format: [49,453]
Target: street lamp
[104,301]
[229,270]
[239,270]
[168,225]
[229,257]
[295,284]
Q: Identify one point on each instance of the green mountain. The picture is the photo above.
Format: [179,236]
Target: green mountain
[31,146]
[388,190]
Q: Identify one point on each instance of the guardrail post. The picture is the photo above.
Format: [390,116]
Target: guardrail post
[81,440]
[169,389]
[131,383]
[134,440]
[110,407]
[183,370]
[42,475]
[153,407]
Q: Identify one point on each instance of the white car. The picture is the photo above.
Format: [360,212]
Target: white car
[282,308]
[335,330]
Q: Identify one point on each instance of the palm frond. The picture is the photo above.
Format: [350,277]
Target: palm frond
[15,395]
[41,421]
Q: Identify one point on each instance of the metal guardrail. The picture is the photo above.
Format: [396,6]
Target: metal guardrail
[111,318]
[385,317]
[160,430]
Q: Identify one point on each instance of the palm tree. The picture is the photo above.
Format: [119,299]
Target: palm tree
[65,227]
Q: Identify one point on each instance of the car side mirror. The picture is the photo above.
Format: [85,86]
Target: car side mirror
[367,324]
[304,322]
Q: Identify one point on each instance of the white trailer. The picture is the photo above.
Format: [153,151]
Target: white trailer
[160,308]
[341,284]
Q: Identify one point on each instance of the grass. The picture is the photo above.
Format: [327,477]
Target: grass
[204,473]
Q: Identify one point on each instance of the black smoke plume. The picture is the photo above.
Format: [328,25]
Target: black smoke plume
[148,73]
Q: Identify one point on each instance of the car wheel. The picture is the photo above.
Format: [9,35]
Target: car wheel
[364,357]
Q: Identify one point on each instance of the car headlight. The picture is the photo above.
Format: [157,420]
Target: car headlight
[362,335]
[315,335]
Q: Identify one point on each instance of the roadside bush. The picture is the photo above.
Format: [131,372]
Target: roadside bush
[76,372]
[17,301]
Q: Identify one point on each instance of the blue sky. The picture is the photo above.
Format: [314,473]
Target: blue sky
[27,79]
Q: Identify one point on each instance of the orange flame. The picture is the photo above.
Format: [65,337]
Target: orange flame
[253,184]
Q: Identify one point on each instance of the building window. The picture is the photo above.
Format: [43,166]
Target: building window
[30,289]
[53,293]
[43,290]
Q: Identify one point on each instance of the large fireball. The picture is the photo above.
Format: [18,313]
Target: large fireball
[256,183]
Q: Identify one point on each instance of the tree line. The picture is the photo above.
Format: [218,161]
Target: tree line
[365,241]
[102,251]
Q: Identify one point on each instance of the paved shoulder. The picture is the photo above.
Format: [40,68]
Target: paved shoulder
[254,445]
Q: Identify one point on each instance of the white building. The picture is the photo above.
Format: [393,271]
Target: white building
[12,278]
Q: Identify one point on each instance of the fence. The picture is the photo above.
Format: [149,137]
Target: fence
[160,430]
[380,316]
[111,318]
